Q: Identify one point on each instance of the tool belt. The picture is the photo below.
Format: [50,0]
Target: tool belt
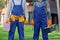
[19,18]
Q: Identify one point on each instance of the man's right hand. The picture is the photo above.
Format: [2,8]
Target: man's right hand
[26,21]
[49,22]
[32,21]
[7,20]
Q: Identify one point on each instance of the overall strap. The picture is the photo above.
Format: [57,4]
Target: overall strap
[37,2]
[13,2]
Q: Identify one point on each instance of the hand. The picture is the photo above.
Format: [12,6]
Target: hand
[26,21]
[49,22]
[7,20]
[32,22]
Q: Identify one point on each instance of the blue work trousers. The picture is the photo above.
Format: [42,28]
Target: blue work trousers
[40,21]
[20,26]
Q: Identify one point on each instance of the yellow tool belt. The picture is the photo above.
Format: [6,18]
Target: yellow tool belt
[19,18]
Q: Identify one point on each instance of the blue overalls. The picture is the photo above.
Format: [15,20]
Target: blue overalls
[17,10]
[40,21]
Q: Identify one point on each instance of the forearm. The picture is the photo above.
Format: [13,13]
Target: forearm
[48,6]
[33,11]
[9,7]
[25,10]
[48,10]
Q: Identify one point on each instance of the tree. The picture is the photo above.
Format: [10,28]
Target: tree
[1,4]
[1,7]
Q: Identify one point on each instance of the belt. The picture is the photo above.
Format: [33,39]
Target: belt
[19,18]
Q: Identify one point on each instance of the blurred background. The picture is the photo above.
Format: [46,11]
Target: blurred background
[55,14]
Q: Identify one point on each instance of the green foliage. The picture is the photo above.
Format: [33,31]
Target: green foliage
[1,4]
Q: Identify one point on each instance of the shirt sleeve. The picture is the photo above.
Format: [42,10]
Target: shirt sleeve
[25,9]
[9,8]
[33,10]
[48,10]
[48,6]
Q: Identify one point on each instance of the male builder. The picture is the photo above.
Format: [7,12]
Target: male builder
[16,10]
[40,19]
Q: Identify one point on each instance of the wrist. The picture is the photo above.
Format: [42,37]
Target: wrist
[7,20]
